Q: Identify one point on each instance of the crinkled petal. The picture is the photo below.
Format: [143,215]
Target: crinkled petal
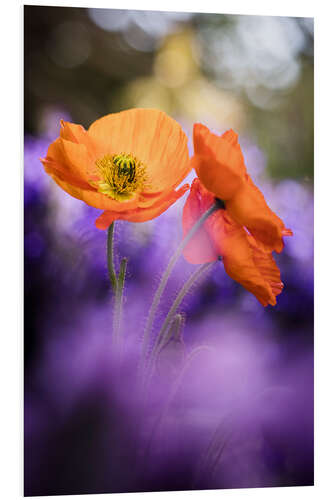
[249,208]
[238,257]
[221,236]
[56,170]
[78,134]
[94,198]
[142,214]
[220,166]
[153,137]
[71,159]
[219,161]
[267,266]
[147,200]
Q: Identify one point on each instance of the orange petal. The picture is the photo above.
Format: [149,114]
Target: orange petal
[219,161]
[147,200]
[70,158]
[77,134]
[153,137]
[221,236]
[267,266]
[249,208]
[200,248]
[220,166]
[238,258]
[140,214]
[56,170]
[78,159]
[94,198]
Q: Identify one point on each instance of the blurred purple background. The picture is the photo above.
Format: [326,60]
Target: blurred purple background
[243,413]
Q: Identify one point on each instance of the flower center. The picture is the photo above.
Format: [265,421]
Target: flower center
[121,176]
[220,203]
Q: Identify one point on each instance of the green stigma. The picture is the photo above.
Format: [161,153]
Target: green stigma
[121,176]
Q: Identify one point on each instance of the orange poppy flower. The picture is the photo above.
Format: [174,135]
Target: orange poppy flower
[220,236]
[220,166]
[127,164]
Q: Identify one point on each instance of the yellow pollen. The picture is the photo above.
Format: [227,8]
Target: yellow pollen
[121,176]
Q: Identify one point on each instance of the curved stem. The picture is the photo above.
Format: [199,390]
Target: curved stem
[173,330]
[166,275]
[118,304]
[178,300]
[160,339]
[111,268]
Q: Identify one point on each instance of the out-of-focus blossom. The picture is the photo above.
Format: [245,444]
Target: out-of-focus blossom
[142,30]
[220,166]
[127,164]
[260,54]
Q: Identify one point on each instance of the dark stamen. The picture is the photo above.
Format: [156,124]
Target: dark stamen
[220,203]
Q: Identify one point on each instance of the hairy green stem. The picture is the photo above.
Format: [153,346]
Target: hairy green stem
[163,333]
[118,303]
[157,297]
[111,269]
[174,330]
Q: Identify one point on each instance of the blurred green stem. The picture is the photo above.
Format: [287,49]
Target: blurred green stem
[118,305]
[174,330]
[163,333]
[157,297]
[111,269]
[117,283]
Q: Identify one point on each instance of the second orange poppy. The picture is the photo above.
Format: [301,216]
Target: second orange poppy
[220,236]
[220,166]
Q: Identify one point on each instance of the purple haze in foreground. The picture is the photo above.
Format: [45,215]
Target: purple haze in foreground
[241,414]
